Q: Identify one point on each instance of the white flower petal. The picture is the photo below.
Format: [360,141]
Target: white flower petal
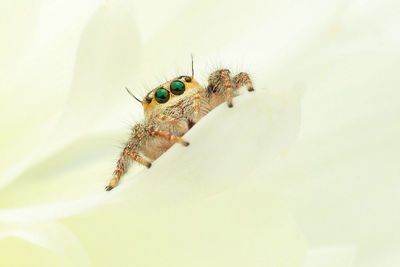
[258,39]
[106,61]
[226,147]
[342,175]
[50,211]
[193,215]
[336,176]
[273,127]
[45,244]
[38,65]
[245,225]
[342,256]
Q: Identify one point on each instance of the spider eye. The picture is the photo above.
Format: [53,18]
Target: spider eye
[148,100]
[177,87]
[162,95]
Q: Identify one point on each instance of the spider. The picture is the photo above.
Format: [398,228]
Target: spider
[170,110]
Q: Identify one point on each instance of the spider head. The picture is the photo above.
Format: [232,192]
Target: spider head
[169,92]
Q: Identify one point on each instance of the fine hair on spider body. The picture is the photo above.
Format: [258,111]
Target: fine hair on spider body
[170,110]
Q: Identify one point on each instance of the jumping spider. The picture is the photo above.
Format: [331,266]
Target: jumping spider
[170,110]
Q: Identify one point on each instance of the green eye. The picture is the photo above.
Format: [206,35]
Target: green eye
[162,95]
[177,87]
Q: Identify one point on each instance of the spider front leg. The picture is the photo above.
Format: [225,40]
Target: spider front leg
[243,79]
[220,82]
[127,155]
[172,121]
[197,107]
[167,136]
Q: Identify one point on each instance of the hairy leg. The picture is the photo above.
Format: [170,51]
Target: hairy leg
[242,79]
[196,107]
[168,136]
[220,85]
[219,82]
[127,155]
[172,121]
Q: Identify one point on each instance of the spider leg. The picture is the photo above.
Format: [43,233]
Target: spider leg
[242,79]
[172,121]
[168,136]
[221,86]
[220,82]
[127,155]
[197,107]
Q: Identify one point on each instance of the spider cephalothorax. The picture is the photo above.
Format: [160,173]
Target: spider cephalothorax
[170,110]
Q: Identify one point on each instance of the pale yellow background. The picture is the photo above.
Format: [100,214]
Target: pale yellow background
[303,172]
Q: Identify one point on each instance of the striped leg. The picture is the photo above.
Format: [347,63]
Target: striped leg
[169,137]
[172,121]
[196,107]
[243,79]
[221,84]
[126,156]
